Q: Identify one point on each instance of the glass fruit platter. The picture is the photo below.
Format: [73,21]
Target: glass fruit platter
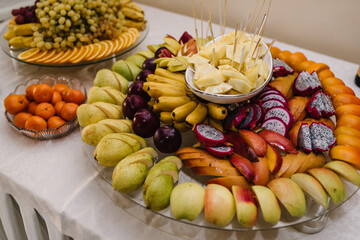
[313,221]
[14,53]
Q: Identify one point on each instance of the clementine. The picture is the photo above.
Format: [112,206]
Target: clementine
[68,111]
[56,98]
[14,104]
[36,123]
[59,87]
[26,100]
[21,118]
[43,93]
[73,95]
[45,110]
[31,107]
[58,107]
[55,122]
[29,91]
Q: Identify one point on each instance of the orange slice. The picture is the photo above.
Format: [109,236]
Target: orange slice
[37,56]
[79,56]
[121,43]
[64,56]
[96,51]
[89,52]
[135,31]
[28,53]
[58,55]
[72,54]
[128,39]
[104,48]
[85,52]
[50,55]
[116,44]
[110,48]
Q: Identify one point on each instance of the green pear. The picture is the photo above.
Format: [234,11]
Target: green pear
[129,178]
[105,77]
[138,60]
[269,206]
[146,53]
[122,68]
[133,143]
[93,133]
[110,151]
[167,168]
[118,96]
[312,187]
[97,94]
[157,196]
[145,158]
[173,159]
[153,47]
[138,138]
[118,125]
[135,70]
[290,195]
[88,114]
[123,82]
[148,150]
[111,110]
[187,200]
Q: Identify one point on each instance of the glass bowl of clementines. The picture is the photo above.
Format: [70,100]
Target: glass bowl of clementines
[45,107]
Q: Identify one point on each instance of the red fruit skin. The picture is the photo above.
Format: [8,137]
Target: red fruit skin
[278,141]
[243,165]
[214,152]
[241,147]
[206,140]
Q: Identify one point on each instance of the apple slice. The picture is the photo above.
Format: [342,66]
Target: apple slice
[268,203]
[262,172]
[246,209]
[331,182]
[219,207]
[230,181]
[345,170]
[274,159]
[277,140]
[312,187]
[311,160]
[296,160]
[216,171]
[243,165]
[256,142]
[290,195]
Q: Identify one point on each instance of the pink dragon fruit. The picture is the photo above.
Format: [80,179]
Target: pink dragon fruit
[273,103]
[280,68]
[221,151]
[209,135]
[259,111]
[250,119]
[304,138]
[234,118]
[320,105]
[275,124]
[306,84]
[281,113]
[329,107]
[275,96]
[322,137]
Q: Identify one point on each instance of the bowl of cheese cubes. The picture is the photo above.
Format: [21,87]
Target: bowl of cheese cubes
[230,69]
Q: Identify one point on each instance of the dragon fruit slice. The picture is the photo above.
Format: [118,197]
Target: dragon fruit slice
[270,91]
[209,135]
[280,68]
[328,106]
[320,139]
[282,113]
[250,119]
[221,151]
[304,139]
[306,84]
[275,124]
[259,111]
[275,96]
[234,118]
[316,106]
[272,103]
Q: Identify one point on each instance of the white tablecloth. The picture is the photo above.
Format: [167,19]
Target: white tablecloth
[57,178]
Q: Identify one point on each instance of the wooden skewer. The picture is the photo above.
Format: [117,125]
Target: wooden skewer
[196,31]
[262,24]
[256,46]
[182,63]
[224,21]
[220,17]
[235,42]
[253,15]
[257,15]
[212,35]
[241,58]
[246,23]
[201,16]
[271,44]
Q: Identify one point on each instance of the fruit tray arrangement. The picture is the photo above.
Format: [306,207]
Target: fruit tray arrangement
[274,160]
[72,32]
[45,107]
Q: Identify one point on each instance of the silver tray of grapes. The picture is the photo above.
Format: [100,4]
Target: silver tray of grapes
[15,52]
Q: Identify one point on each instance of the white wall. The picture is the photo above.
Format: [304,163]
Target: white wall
[331,27]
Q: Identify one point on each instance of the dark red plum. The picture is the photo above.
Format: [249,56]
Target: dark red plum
[137,89]
[167,139]
[132,104]
[142,76]
[149,64]
[145,122]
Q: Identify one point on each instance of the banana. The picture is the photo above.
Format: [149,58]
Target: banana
[25,29]
[159,79]
[217,111]
[153,47]
[197,116]
[180,113]
[175,76]
[21,42]
[167,103]
[133,14]
[151,103]
[156,90]
[181,126]
[9,35]
[132,24]
[134,6]
[165,117]
[216,123]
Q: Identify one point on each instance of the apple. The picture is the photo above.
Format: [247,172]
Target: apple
[290,195]
[187,201]
[241,146]
[142,76]
[331,182]
[216,171]
[261,169]
[149,64]
[278,141]
[312,187]
[229,181]
[345,170]
[245,205]
[256,142]
[274,159]
[145,122]
[243,165]
[296,160]
[269,206]
[167,139]
[219,207]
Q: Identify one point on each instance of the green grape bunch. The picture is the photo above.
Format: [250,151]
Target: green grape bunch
[74,23]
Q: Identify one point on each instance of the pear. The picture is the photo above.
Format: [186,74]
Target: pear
[157,196]
[187,200]
[118,96]
[128,138]
[166,168]
[146,53]
[153,47]
[138,60]
[111,110]
[145,158]
[88,114]
[105,94]
[110,151]
[122,68]
[148,150]
[138,138]
[118,125]
[135,70]
[105,77]
[93,133]
[129,178]
[173,159]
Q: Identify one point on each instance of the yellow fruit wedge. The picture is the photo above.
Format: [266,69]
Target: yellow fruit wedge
[37,56]
[127,39]
[28,53]
[103,49]
[79,56]
[121,45]
[58,55]
[49,55]
[116,44]
[110,48]
[71,55]
[89,51]
[64,56]
[96,51]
